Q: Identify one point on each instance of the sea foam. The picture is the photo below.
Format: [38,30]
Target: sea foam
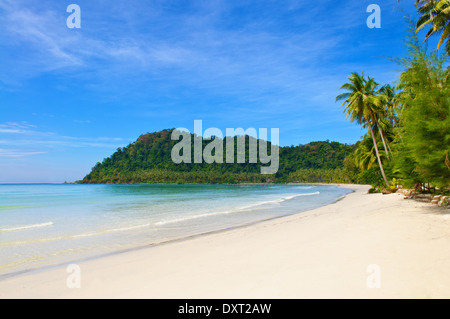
[25,227]
[238,210]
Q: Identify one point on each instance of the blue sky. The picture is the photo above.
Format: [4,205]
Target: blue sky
[70,97]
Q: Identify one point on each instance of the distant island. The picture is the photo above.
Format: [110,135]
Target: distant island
[148,161]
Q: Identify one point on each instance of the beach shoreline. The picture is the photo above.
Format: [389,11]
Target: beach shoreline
[328,252]
[45,266]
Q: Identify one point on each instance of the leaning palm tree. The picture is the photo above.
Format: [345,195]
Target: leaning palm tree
[381,127]
[361,105]
[380,117]
[436,15]
[365,155]
[392,101]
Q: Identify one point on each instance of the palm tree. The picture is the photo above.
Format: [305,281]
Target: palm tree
[379,118]
[381,128]
[436,14]
[392,101]
[362,104]
[365,155]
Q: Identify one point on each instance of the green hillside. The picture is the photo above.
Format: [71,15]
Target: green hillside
[148,160]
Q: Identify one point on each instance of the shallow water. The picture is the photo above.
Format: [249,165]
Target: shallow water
[46,224]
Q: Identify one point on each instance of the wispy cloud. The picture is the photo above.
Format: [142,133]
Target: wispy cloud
[194,48]
[29,138]
[16,127]
[14,153]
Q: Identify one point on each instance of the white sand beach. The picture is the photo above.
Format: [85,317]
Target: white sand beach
[322,253]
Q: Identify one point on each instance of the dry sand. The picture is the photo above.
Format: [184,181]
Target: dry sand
[343,250]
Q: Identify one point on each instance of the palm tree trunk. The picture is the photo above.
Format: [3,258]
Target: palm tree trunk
[382,139]
[378,155]
[386,148]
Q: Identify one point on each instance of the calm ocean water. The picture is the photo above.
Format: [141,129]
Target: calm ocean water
[42,225]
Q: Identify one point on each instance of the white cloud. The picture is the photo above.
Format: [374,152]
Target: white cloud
[27,137]
[16,127]
[196,46]
[21,125]
[18,153]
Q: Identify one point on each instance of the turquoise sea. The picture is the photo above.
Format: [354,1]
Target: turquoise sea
[50,224]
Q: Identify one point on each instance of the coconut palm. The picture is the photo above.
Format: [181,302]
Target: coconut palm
[392,101]
[380,121]
[362,104]
[436,14]
[365,156]
[383,129]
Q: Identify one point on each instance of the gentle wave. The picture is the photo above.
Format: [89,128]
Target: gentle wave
[26,227]
[276,201]
[127,228]
[99,233]
[160,223]
[107,231]
[298,195]
[183,219]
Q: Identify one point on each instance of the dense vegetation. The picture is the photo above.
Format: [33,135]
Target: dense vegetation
[148,160]
[408,137]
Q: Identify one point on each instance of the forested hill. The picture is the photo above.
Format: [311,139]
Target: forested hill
[148,160]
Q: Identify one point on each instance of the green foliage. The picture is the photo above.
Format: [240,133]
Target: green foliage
[371,177]
[435,14]
[148,161]
[351,170]
[365,104]
[424,119]
[410,123]
[321,175]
